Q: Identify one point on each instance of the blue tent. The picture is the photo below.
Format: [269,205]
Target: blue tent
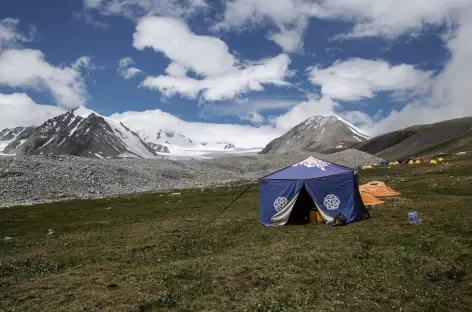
[331,189]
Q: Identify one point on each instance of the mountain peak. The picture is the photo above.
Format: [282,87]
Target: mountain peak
[324,134]
[84,112]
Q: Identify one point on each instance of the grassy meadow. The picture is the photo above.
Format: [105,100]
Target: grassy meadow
[149,253]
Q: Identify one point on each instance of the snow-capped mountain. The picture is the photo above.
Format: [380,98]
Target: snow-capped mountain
[324,134]
[9,135]
[81,132]
[167,141]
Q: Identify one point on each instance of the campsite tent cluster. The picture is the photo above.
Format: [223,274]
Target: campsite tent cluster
[288,195]
[409,161]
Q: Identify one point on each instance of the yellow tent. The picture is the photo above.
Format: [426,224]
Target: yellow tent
[390,163]
[396,163]
[434,162]
[440,159]
[411,162]
[418,161]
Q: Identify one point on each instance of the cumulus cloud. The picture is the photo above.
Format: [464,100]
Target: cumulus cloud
[18,109]
[223,76]
[125,68]
[288,16]
[204,55]
[354,79]
[242,136]
[29,69]
[389,18]
[290,39]
[227,85]
[11,36]
[392,18]
[450,96]
[137,8]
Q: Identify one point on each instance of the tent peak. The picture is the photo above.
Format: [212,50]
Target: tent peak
[313,162]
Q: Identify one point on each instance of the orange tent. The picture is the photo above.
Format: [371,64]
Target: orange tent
[378,188]
[370,200]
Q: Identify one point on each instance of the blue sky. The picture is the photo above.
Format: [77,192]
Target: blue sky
[373,64]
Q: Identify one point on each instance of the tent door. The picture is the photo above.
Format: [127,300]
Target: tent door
[301,210]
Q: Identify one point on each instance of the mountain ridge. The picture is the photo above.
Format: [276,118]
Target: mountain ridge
[323,134]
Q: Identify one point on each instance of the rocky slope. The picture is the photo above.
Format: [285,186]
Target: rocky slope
[324,134]
[9,135]
[81,132]
[420,140]
[33,179]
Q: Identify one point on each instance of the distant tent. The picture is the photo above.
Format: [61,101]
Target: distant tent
[396,163]
[426,159]
[288,195]
[440,159]
[418,161]
[411,162]
[412,158]
[384,163]
[370,200]
[434,162]
[378,188]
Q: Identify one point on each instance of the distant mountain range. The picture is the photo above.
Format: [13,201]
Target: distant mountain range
[323,134]
[83,132]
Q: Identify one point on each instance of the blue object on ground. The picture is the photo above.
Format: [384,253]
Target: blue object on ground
[413,218]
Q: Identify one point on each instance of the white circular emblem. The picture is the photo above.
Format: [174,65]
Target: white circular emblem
[331,202]
[279,203]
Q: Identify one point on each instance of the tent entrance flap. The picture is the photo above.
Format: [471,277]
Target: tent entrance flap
[297,209]
[301,210]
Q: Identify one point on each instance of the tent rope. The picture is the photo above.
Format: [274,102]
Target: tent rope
[223,210]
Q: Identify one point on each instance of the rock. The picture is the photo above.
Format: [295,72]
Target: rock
[113,177]
[7,238]
[51,232]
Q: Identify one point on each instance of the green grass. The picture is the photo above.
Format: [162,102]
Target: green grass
[144,253]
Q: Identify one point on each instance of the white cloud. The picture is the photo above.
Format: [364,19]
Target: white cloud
[290,40]
[242,136]
[354,79]
[18,109]
[450,97]
[89,20]
[29,69]
[83,62]
[204,55]
[288,16]
[391,18]
[126,70]
[125,62]
[312,107]
[254,117]
[224,77]
[11,36]
[137,8]
[131,72]
[227,85]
